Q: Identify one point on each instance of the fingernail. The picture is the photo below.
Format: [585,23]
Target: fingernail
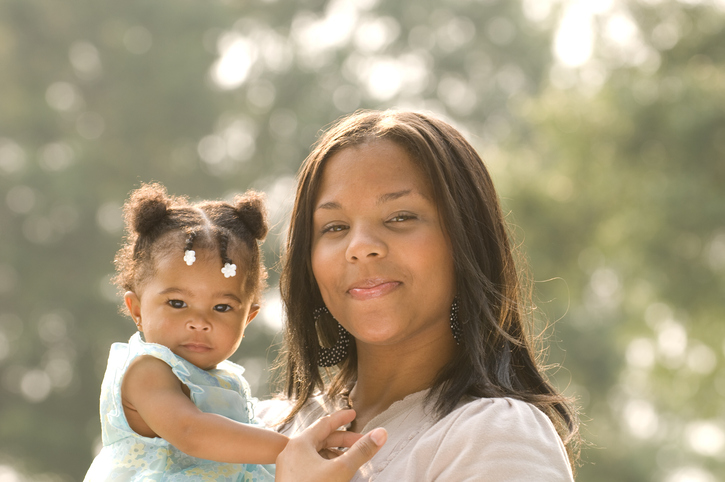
[379,436]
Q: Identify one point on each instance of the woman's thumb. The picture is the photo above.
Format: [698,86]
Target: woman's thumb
[364,449]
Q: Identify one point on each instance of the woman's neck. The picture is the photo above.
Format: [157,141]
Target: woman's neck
[387,374]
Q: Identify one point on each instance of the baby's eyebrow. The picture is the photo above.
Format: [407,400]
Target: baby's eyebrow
[232,296]
[174,289]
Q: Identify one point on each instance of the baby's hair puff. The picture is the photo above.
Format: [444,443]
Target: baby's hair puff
[158,224]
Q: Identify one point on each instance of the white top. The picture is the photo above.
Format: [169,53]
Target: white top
[485,439]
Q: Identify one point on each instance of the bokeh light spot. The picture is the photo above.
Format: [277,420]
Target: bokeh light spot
[109,217]
[12,156]
[56,156]
[211,149]
[63,96]
[238,137]
[705,437]
[86,60]
[716,252]
[137,40]
[39,230]
[35,385]
[237,54]
[641,353]
[52,327]
[501,31]
[21,199]
[691,474]
[701,359]
[641,418]
[574,39]
[376,34]
[346,98]
[272,311]
[671,342]
[261,94]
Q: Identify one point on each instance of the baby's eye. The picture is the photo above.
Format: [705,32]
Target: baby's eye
[177,304]
[222,308]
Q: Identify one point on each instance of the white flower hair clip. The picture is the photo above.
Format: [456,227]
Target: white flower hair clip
[189,256]
[229,270]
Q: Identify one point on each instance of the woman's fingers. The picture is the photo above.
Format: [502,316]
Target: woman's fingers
[319,432]
[363,450]
[341,439]
[301,461]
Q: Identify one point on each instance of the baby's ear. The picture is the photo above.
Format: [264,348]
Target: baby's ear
[146,207]
[253,312]
[133,303]
[252,212]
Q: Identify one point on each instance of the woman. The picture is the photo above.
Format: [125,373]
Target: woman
[398,259]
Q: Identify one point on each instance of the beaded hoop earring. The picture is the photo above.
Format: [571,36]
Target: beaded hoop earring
[330,357]
[455,324]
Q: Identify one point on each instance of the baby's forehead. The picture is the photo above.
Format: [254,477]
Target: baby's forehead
[176,244]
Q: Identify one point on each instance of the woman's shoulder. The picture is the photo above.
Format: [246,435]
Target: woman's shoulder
[503,419]
[501,434]
[503,413]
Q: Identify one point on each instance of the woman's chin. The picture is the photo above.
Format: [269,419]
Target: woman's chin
[383,337]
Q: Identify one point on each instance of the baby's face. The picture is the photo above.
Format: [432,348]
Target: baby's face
[194,310]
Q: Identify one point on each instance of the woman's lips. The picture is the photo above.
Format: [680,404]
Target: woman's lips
[370,290]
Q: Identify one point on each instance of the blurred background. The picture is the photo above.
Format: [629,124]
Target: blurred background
[602,121]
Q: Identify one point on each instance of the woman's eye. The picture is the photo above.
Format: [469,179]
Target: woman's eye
[177,304]
[401,217]
[334,228]
[222,308]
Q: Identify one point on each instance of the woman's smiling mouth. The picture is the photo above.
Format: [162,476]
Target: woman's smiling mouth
[372,288]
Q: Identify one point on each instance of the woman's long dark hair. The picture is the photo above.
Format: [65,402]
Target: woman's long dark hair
[496,357]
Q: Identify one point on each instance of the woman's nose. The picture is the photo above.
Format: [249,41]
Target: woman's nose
[364,244]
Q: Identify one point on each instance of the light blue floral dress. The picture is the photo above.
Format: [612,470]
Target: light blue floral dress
[129,457]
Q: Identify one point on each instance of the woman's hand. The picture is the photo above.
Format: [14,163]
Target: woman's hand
[301,460]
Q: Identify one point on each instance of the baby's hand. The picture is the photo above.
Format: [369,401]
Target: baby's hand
[312,454]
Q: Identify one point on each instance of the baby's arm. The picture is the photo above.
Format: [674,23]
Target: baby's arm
[152,390]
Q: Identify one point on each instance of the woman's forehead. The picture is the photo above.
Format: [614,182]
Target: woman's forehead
[380,167]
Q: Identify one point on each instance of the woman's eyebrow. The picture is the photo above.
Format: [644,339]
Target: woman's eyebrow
[382,199]
[329,205]
[392,196]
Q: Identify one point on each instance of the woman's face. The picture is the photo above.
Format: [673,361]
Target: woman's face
[381,258]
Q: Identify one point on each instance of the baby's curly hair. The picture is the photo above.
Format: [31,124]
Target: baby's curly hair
[158,223]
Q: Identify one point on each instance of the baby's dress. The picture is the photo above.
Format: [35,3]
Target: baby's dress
[129,457]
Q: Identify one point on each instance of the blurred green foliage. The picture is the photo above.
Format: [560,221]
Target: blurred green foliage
[602,122]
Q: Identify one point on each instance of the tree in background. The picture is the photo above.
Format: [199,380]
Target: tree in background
[603,123]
